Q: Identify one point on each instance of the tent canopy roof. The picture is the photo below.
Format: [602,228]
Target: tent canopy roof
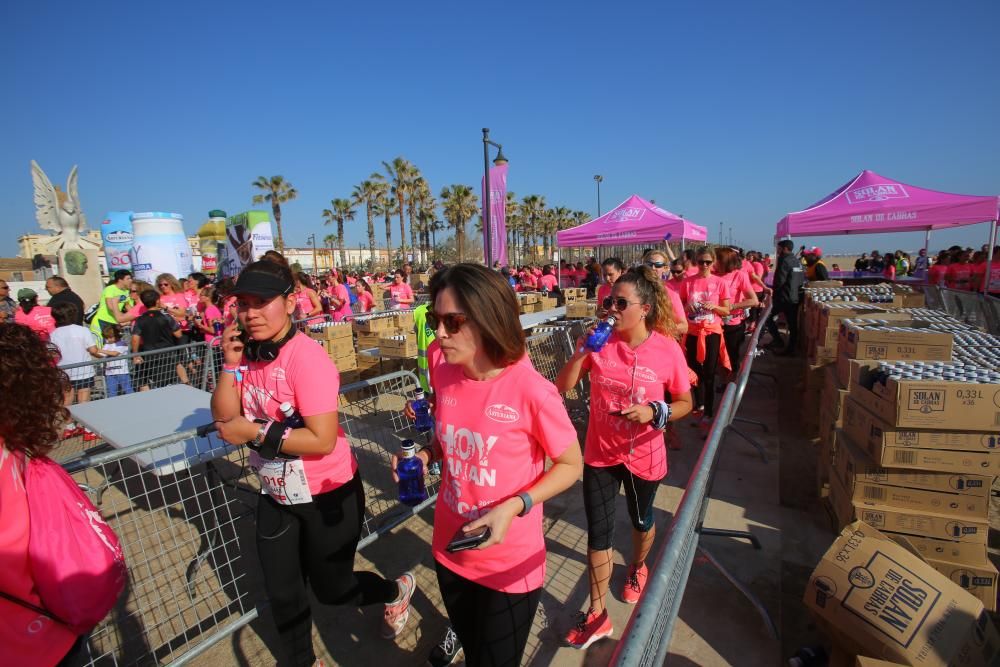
[634,221]
[873,204]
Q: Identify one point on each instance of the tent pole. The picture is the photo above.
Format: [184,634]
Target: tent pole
[989,256]
[927,242]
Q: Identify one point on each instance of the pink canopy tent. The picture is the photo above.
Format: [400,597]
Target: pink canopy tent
[634,221]
[873,204]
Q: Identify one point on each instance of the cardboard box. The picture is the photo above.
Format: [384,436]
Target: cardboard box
[331,331]
[548,303]
[348,362]
[528,297]
[891,605]
[853,466]
[861,661]
[403,320]
[978,576]
[339,347]
[366,340]
[873,494]
[840,503]
[925,344]
[848,370]
[376,324]
[580,309]
[893,436]
[943,406]
[392,348]
[922,523]
[365,362]
[891,447]
[834,395]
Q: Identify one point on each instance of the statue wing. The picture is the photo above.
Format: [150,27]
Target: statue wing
[46,202]
[74,194]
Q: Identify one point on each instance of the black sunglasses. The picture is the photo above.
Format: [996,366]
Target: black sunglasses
[620,304]
[706,262]
[452,321]
[677,272]
[656,265]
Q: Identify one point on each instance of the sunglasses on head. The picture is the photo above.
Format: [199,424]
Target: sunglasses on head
[706,262]
[655,265]
[452,321]
[620,304]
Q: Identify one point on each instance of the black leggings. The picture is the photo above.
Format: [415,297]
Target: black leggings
[493,626]
[734,335]
[704,392]
[314,542]
[600,488]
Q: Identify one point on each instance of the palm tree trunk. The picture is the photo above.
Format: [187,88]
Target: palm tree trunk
[340,240]
[412,212]
[279,244]
[402,230]
[434,241]
[388,236]
[371,232]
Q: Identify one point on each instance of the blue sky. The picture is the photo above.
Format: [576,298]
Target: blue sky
[726,111]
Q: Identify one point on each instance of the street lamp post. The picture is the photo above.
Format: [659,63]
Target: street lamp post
[312,241]
[487,187]
[598,178]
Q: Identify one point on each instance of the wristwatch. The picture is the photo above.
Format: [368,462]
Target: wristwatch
[526,499]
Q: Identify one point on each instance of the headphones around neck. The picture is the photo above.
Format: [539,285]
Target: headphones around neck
[267,350]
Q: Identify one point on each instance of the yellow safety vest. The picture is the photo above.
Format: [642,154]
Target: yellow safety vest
[424,338]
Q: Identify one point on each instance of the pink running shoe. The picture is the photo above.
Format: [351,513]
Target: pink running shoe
[398,612]
[589,628]
[634,583]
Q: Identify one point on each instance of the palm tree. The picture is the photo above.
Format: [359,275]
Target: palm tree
[460,204]
[330,240]
[426,213]
[532,207]
[386,206]
[343,209]
[417,186]
[277,191]
[434,227]
[400,175]
[512,214]
[367,193]
[562,218]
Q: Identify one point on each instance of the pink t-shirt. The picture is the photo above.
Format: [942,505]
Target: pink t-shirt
[303,301]
[889,272]
[191,297]
[340,292]
[621,377]
[304,376]
[27,638]
[691,271]
[739,287]
[38,320]
[711,289]
[365,301]
[495,435]
[937,274]
[994,284]
[210,314]
[978,273]
[176,301]
[603,291]
[675,301]
[548,282]
[758,269]
[959,276]
[673,285]
[400,291]
[529,279]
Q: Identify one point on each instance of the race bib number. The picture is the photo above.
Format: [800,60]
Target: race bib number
[282,479]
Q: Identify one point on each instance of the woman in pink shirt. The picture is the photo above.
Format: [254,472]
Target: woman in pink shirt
[548,282]
[938,273]
[172,298]
[400,293]
[741,291]
[208,314]
[706,299]
[306,299]
[29,426]
[366,300]
[611,269]
[30,314]
[659,262]
[340,299]
[310,513]
[497,420]
[638,384]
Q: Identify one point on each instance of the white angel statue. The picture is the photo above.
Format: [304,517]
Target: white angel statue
[59,211]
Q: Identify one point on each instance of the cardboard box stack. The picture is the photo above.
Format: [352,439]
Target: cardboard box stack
[573,294]
[530,302]
[909,427]
[876,598]
[581,309]
[337,338]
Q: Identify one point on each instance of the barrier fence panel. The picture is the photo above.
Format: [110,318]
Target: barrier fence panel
[181,525]
[646,639]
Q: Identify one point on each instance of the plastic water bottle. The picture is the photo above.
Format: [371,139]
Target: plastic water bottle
[600,336]
[217,326]
[292,417]
[324,302]
[411,476]
[423,422]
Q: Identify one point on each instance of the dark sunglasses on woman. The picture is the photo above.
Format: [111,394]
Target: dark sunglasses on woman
[452,321]
[620,304]
[655,265]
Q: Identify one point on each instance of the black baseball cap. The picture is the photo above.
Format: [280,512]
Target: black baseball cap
[264,285]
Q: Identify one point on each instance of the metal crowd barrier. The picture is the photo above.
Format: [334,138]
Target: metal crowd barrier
[974,308]
[646,639]
[186,530]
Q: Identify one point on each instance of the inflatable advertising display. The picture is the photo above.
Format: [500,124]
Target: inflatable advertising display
[248,236]
[159,246]
[211,235]
[116,232]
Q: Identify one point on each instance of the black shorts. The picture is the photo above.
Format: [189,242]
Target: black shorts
[600,489]
[158,369]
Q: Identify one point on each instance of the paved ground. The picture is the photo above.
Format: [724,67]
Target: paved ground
[718,626]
